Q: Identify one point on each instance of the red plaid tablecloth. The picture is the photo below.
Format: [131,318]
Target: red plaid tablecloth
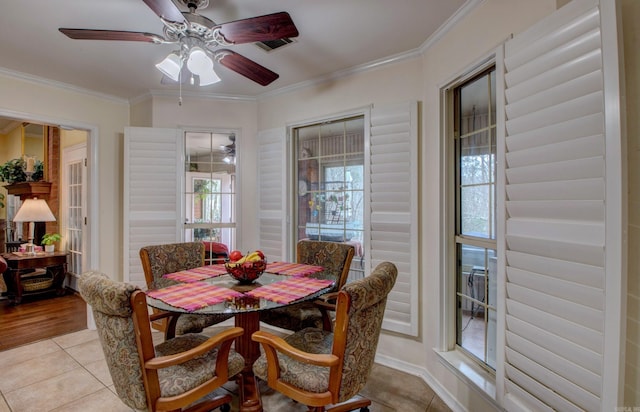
[193,296]
[287,291]
[292,269]
[196,274]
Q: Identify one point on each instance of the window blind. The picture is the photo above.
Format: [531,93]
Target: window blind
[393,204]
[556,215]
[152,194]
[272,187]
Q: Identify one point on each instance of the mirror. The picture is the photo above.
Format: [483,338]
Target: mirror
[33,141]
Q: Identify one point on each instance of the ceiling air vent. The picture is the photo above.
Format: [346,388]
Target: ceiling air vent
[271,45]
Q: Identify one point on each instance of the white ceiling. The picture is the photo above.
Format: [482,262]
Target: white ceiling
[335,36]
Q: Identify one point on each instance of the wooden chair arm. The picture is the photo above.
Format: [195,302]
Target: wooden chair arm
[272,343]
[223,339]
[327,301]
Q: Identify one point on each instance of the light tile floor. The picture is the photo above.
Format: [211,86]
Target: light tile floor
[68,374]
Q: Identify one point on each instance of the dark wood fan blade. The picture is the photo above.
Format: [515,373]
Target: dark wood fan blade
[247,67]
[262,28]
[89,34]
[166,10]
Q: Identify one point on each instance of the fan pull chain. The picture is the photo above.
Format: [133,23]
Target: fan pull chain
[180,86]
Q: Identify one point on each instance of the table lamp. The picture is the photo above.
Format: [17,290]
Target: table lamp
[33,210]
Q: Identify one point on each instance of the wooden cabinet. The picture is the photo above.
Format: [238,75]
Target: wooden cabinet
[21,279]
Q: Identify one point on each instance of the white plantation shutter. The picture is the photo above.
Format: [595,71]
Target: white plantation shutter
[393,205]
[152,194]
[559,218]
[272,197]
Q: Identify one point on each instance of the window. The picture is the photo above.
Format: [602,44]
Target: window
[210,190]
[330,184]
[475,210]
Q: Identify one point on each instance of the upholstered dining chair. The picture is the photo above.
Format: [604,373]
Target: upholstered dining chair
[158,260]
[215,252]
[326,370]
[336,259]
[170,376]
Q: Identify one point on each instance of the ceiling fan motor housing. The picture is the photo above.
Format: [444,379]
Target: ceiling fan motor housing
[195,4]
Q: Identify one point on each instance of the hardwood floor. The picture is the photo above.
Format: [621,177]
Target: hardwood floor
[38,318]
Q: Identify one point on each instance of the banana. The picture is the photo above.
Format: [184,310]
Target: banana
[253,257]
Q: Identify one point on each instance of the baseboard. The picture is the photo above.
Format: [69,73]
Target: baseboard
[422,373]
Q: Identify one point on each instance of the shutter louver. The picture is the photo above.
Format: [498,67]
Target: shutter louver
[393,205]
[555,214]
[271,180]
[152,159]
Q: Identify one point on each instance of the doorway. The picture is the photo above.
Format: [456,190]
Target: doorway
[89,133]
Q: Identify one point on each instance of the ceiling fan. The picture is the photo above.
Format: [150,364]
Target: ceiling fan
[230,149]
[197,37]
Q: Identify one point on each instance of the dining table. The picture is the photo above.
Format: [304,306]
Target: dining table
[211,290]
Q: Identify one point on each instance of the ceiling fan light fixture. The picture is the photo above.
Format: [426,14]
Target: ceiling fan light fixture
[209,77]
[171,66]
[199,61]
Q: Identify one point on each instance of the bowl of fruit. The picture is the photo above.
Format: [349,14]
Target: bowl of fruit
[246,268]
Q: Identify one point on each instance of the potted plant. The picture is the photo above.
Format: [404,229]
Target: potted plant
[48,241]
[14,171]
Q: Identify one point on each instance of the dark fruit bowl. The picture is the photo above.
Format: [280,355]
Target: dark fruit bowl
[246,272]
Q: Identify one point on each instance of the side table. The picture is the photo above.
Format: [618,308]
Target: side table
[18,265]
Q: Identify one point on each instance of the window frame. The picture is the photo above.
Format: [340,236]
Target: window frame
[452,357]
[469,239]
[324,162]
[228,186]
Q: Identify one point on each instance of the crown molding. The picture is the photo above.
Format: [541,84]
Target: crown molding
[344,73]
[451,22]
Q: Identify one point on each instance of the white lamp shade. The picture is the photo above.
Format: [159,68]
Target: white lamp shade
[208,77]
[171,66]
[34,210]
[199,62]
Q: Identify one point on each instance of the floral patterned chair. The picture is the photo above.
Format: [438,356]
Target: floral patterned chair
[336,259]
[325,370]
[170,376]
[158,260]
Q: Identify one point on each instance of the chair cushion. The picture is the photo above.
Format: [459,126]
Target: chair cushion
[294,317]
[180,378]
[308,377]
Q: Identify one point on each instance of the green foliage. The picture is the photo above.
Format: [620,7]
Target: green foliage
[50,238]
[13,171]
